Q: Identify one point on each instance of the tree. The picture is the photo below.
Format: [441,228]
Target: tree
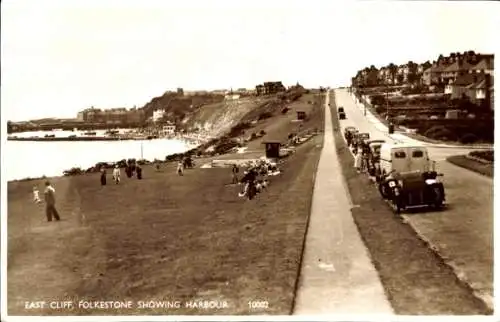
[372,76]
[427,65]
[393,69]
[440,59]
[412,72]
[400,78]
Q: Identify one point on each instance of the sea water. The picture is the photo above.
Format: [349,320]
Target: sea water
[23,159]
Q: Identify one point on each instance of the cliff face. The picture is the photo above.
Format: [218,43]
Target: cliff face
[213,115]
[217,119]
[179,107]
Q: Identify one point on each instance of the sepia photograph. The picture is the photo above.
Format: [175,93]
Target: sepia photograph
[251,160]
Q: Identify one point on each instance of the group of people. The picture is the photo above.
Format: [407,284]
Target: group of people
[130,169]
[262,168]
[361,153]
[50,201]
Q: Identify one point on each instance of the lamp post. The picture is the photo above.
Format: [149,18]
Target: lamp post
[387,102]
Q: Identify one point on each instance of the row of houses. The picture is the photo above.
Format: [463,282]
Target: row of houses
[476,87]
[113,116]
[439,72]
[459,74]
[448,71]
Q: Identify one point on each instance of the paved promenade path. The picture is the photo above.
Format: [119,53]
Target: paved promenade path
[337,276]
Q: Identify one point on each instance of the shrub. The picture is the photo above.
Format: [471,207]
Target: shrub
[468,138]
[380,109]
[440,132]
[225,146]
[377,99]
[73,172]
[238,128]
[485,155]
[262,133]
[265,115]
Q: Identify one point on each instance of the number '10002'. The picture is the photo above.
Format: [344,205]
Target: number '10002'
[258,304]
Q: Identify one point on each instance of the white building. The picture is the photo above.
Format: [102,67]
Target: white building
[168,129]
[157,115]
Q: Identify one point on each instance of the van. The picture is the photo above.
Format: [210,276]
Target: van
[404,158]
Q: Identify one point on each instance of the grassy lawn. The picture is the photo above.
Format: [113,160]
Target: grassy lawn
[415,279]
[463,161]
[165,237]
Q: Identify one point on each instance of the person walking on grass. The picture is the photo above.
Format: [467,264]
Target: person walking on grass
[116,174]
[50,202]
[36,195]
[103,177]
[180,167]
[235,171]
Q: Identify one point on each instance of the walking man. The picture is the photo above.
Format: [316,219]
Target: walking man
[235,171]
[50,202]
[116,174]
[180,167]
[103,176]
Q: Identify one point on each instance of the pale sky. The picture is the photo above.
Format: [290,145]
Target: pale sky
[59,57]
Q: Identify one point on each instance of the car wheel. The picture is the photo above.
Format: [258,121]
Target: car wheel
[438,198]
[383,190]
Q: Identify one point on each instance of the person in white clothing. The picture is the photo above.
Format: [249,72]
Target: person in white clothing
[36,195]
[358,159]
[180,167]
[116,174]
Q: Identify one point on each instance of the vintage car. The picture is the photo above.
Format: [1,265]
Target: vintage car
[349,129]
[404,158]
[413,189]
[408,177]
[364,136]
[341,112]
[358,139]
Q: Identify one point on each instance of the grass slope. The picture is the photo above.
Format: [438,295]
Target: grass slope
[165,237]
[463,161]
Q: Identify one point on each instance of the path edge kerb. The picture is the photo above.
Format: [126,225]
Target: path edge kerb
[308,219]
[338,136]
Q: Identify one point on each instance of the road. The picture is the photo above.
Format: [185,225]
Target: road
[463,233]
[337,276]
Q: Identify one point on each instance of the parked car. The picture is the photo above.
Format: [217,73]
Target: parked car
[408,177]
[348,129]
[413,189]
